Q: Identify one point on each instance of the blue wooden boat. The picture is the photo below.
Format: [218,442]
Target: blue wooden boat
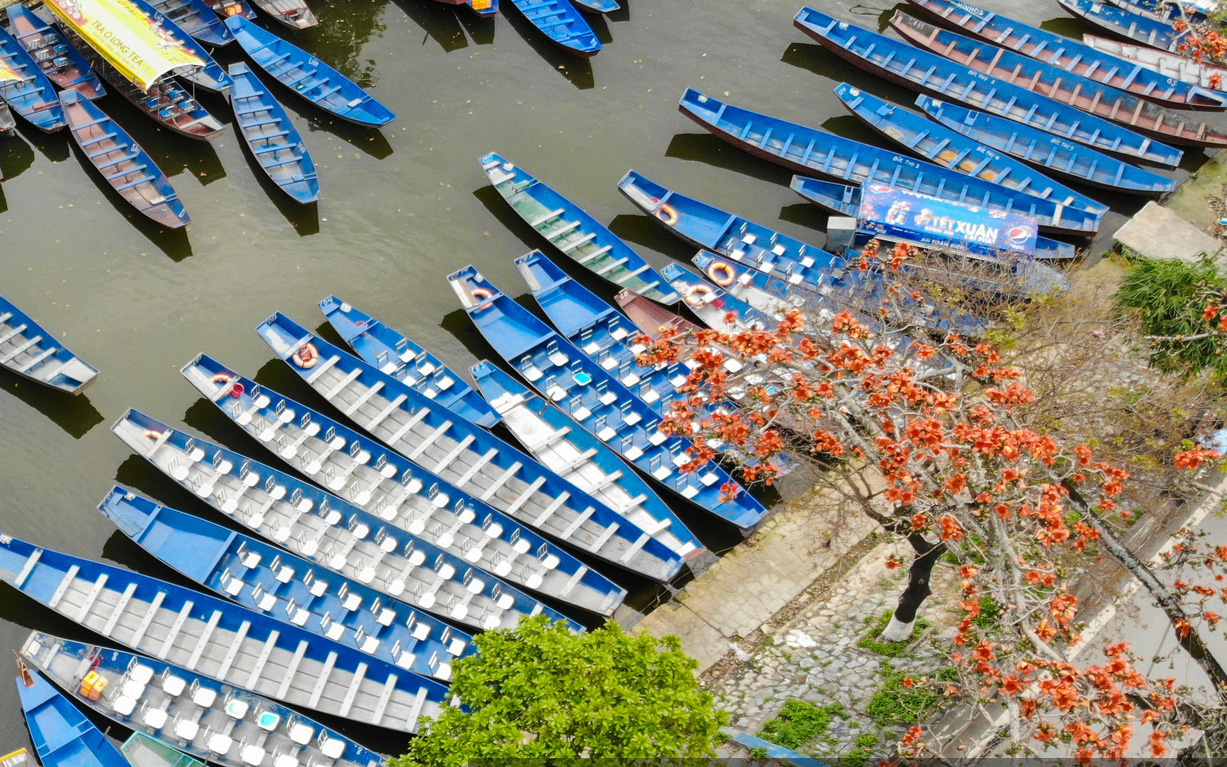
[211,76]
[810,151]
[930,73]
[32,95]
[143,751]
[575,234]
[295,14]
[462,453]
[1046,150]
[713,305]
[550,436]
[597,6]
[30,350]
[562,24]
[1167,10]
[122,162]
[845,200]
[391,488]
[1122,23]
[271,136]
[1056,83]
[1169,65]
[309,77]
[174,707]
[61,62]
[215,638]
[328,531]
[7,122]
[600,402]
[406,361]
[62,735]
[770,295]
[952,149]
[264,578]
[197,19]
[228,8]
[1077,57]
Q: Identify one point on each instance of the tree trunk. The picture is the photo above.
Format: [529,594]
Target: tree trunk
[919,574]
[1207,750]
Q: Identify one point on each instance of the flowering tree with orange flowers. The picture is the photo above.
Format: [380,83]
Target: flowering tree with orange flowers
[937,418]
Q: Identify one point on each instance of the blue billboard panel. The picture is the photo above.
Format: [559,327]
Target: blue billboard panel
[917,218]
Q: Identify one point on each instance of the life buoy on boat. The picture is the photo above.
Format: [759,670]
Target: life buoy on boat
[481,294]
[307,356]
[667,213]
[236,388]
[697,295]
[153,434]
[721,273]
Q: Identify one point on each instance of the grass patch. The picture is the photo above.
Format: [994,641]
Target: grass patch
[895,704]
[889,649]
[990,612]
[799,722]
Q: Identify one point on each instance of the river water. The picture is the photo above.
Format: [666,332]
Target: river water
[402,208]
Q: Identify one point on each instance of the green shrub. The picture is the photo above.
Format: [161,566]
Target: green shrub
[895,704]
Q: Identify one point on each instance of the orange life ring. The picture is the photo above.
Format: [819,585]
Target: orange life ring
[721,273]
[307,356]
[695,295]
[481,294]
[153,434]
[667,213]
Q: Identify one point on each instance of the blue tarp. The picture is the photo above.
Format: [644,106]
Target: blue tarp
[898,214]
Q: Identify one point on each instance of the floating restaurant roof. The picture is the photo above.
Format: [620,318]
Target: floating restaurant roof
[127,38]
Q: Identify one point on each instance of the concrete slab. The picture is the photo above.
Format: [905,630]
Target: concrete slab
[700,641]
[1157,232]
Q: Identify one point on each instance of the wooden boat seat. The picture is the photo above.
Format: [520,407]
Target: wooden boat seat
[103,137]
[111,163]
[142,180]
[546,218]
[273,147]
[327,92]
[127,171]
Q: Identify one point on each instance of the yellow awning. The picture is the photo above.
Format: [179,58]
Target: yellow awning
[126,37]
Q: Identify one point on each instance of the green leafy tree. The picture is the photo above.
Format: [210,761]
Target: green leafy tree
[543,695]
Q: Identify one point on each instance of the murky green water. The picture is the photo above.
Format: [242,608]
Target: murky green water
[401,210]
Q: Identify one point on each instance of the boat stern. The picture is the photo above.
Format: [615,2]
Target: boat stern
[345,319]
[283,335]
[131,513]
[473,289]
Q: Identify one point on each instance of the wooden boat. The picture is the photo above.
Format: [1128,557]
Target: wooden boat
[597,6]
[1167,10]
[406,361]
[1078,57]
[211,76]
[30,350]
[600,402]
[1122,23]
[1170,65]
[770,295]
[562,24]
[550,436]
[714,305]
[328,531]
[7,122]
[61,62]
[930,73]
[263,578]
[389,487]
[62,735]
[143,751]
[196,18]
[228,8]
[652,319]
[1054,82]
[1046,150]
[122,162]
[952,149]
[215,638]
[573,232]
[293,13]
[309,77]
[31,95]
[461,453]
[812,151]
[271,136]
[172,708]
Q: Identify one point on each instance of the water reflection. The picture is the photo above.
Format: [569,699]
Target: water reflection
[805,214]
[576,69]
[16,156]
[439,22]
[75,414]
[53,146]
[1068,26]
[16,607]
[343,30]
[498,207]
[599,27]
[368,140]
[622,14]
[173,243]
[714,151]
[643,230]
[480,28]
[818,60]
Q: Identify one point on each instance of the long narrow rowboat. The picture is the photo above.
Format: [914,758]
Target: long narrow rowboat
[389,487]
[406,361]
[770,295]
[575,234]
[220,640]
[1046,150]
[484,8]
[462,453]
[197,19]
[327,531]
[31,95]
[143,751]
[1054,82]
[211,77]
[30,350]
[122,162]
[1080,58]
[225,725]
[62,735]
[549,435]
[1169,65]
[652,319]
[7,122]
[228,8]
[1167,10]
[597,6]
[930,73]
[713,305]
[952,149]
[265,579]
[309,77]
[1122,23]
[59,60]
[562,24]
[812,151]
[271,136]
[295,14]
[600,402]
